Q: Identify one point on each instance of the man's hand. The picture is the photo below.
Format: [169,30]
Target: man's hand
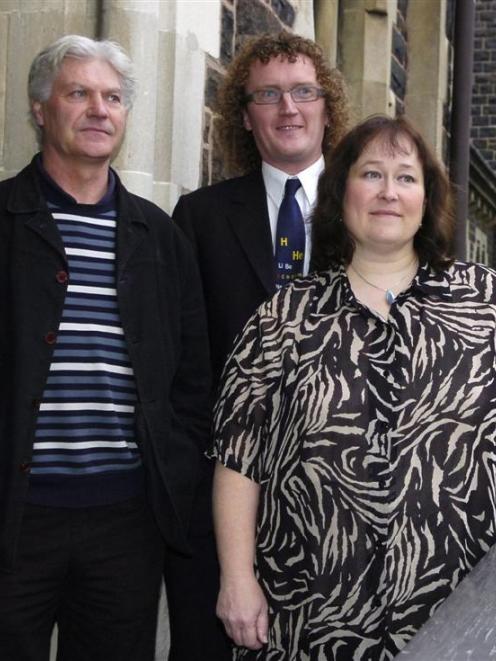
[243,609]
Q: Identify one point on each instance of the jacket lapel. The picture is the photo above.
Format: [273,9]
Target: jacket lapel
[44,225]
[249,220]
[131,228]
[25,200]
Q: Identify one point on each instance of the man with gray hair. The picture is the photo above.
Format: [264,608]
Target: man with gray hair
[104,376]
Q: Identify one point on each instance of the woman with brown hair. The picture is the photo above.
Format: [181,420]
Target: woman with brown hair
[356,427]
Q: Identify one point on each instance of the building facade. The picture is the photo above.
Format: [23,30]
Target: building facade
[396,55]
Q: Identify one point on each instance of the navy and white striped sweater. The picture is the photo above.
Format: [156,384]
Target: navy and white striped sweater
[84,450]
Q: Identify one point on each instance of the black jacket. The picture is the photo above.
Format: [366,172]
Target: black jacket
[162,314]
[228,225]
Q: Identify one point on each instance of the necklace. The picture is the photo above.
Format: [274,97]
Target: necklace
[390,295]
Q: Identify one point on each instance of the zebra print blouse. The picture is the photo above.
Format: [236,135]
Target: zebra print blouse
[374,443]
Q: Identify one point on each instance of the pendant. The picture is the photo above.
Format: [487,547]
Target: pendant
[390,297]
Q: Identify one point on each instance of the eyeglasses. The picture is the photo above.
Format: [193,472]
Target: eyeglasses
[272,95]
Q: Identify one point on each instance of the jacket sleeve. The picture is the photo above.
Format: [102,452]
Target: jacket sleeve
[190,219]
[183,218]
[190,391]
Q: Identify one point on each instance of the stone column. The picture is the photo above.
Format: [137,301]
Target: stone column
[189,34]
[304,21]
[326,28]
[134,23]
[427,68]
[366,34]
[168,42]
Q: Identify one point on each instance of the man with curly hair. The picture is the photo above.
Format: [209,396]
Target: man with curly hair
[281,111]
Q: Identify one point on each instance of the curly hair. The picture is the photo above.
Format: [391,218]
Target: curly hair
[238,145]
[434,240]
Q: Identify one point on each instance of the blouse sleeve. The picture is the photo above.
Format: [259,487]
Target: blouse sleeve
[244,406]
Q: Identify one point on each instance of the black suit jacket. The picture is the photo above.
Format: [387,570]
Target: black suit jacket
[228,224]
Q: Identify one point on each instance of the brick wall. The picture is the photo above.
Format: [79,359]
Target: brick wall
[484,90]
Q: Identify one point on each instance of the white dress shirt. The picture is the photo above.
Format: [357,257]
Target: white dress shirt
[306,196]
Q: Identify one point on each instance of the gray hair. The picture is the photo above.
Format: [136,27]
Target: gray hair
[47,64]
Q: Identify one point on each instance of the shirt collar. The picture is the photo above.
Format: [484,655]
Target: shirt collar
[433,283]
[427,281]
[275,180]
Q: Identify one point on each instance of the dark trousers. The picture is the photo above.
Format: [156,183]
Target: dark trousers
[192,585]
[95,571]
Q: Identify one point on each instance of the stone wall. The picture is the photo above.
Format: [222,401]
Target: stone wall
[392,53]
[482,199]
[484,90]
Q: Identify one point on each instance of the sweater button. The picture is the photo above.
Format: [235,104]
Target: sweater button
[62,277]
